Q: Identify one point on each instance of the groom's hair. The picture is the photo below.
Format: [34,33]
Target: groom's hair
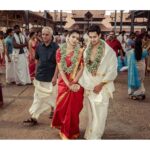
[94,28]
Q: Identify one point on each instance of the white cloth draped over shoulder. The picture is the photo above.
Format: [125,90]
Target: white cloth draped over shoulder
[15,53]
[106,72]
[21,68]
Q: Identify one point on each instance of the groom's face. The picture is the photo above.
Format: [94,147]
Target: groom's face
[94,37]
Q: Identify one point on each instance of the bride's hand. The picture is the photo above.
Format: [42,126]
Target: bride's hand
[75,87]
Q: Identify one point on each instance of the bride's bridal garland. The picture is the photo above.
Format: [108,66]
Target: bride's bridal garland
[74,59]
[93,66]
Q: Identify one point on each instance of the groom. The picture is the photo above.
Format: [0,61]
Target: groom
[99,73]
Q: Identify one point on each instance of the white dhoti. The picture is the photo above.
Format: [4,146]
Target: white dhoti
[21,68]
[42,98]
[10,74]
[97,107]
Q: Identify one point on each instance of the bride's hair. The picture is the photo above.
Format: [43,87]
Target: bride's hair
[73,31]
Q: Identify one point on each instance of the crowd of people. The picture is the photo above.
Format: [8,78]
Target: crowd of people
[132,52]
[84,66]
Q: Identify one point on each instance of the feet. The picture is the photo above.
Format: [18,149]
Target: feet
[137,97]
[51,114]
[31,122]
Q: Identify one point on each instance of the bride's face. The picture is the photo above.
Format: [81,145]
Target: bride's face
[73,39]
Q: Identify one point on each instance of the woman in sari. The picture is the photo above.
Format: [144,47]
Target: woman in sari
[2,49]
[69,101]
[146,45]
[136,71]
[32,47]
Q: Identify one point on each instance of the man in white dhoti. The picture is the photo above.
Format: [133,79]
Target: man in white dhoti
[122,38]
[100,70]
[45,78]
[20,57]
[10,76]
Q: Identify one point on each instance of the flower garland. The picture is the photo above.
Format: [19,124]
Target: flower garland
[74,59]
[93,66]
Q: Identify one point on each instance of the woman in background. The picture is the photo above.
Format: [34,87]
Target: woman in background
[32,47]
[136,71]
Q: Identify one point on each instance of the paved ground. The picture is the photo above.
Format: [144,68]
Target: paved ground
[127,119]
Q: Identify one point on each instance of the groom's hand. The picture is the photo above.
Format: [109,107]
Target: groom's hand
[98,88]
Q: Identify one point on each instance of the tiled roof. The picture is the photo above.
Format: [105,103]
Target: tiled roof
[125,18]
[41,14]
[104,28]
[81,13]
[80,27]
[107,21]
[69,20]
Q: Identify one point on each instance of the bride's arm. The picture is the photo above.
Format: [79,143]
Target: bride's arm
[76,79]
[63,75]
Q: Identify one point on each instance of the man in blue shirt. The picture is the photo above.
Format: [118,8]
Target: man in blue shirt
[46,76]
[10,77]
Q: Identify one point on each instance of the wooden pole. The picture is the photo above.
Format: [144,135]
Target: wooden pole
[115,21]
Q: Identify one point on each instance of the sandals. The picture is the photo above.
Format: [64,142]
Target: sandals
[138,97]
[31,121]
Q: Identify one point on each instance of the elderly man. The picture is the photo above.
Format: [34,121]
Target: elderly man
[46,76]
[100,70]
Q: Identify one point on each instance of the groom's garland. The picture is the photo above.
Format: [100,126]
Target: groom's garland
[93,66]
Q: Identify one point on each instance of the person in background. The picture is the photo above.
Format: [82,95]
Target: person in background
[2,48]
[116,46]
[32,44]
[20,57]
[39,36]
[57,39]
[122,38]
[10,73]
[146,45]
[136,71]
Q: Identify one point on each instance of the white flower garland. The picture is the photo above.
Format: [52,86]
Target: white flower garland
[74,59]
[93,66]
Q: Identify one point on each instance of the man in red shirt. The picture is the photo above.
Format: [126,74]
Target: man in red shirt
[115,44]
